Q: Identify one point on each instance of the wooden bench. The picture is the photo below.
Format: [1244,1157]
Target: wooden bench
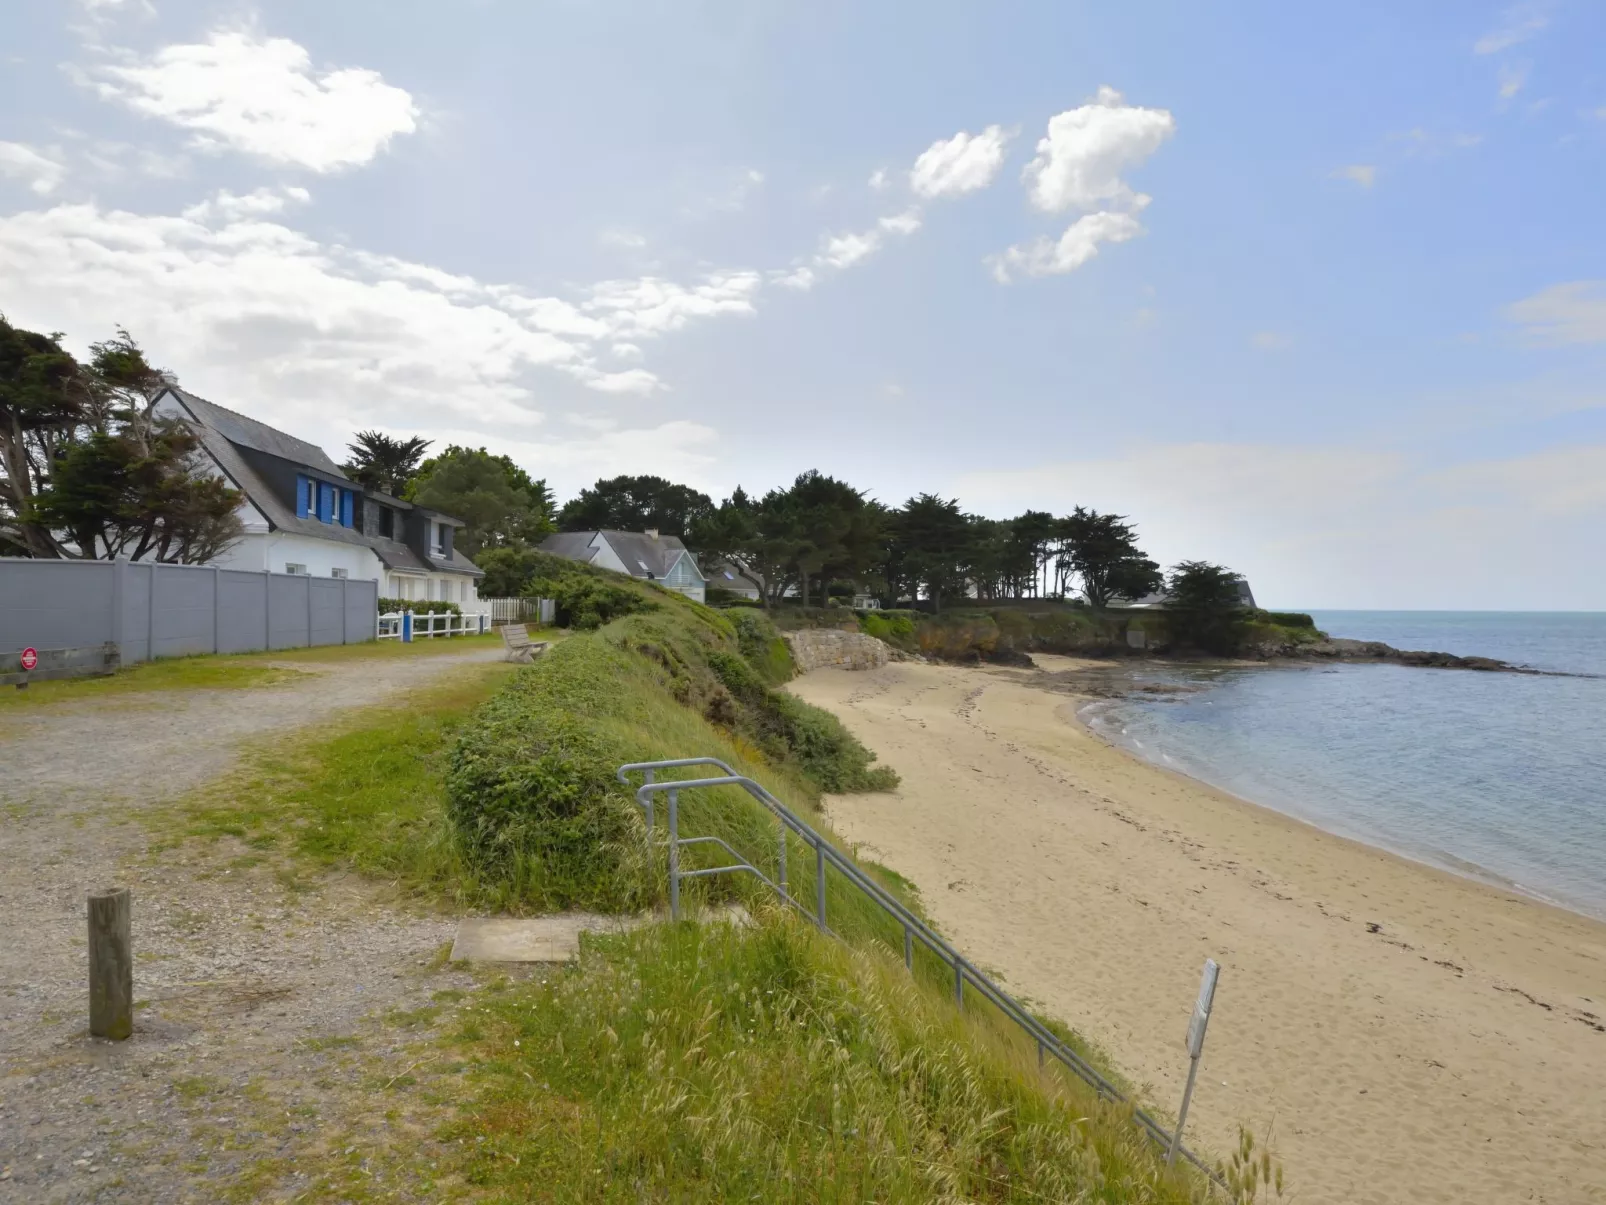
[519,645]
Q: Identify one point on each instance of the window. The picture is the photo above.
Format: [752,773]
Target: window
[439,545]
[337,573]
[462,591]
[292,567]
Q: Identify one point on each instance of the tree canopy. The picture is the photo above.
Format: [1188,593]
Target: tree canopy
[1102,551]
[636,504]
[502,506]
[1204,602]
[89,470]
[381,462]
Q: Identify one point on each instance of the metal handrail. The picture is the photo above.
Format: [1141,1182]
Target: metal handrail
[913,926]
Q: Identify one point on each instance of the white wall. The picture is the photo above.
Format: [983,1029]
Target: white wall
[450,587]
[274,550]
[606,558]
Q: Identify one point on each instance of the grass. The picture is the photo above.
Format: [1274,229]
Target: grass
[680,1062]
[707,1063]
[243,671]
[368,797]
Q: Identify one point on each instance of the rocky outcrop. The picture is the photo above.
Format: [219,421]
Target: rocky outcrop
[826,648]
[1339,649]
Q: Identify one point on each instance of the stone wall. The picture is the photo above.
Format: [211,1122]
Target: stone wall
[826,648]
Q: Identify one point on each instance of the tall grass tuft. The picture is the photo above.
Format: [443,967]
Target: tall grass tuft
[711,1063]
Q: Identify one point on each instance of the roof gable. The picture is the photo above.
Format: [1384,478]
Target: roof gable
[259,437]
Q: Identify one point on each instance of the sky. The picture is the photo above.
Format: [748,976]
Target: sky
[1316,294]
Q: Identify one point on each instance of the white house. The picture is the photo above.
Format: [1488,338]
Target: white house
[645,555]
[301,514]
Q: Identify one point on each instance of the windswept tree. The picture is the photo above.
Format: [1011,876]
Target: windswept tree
[1103,554]
[89,470]
[636,504]
[933,538]
[1204,601]
[382,462]
[501,504]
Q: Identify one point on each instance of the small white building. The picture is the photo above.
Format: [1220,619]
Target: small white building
[645,555]
[301,514]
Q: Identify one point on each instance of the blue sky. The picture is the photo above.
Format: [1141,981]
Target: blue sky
[1322,297]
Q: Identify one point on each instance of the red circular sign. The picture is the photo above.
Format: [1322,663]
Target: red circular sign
[30,658]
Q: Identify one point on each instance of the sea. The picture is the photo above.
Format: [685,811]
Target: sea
[1499,777]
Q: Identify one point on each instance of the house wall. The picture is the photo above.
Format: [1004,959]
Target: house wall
[272,551]
[606,557]
[447,587]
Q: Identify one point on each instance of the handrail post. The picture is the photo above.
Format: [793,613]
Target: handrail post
[781,857]
[649,811]
[674,855]
[819,882]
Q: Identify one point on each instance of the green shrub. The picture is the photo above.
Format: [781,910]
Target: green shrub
[896,628]
[418,606]
[763,647]
[1286,619]
[531,782]
[586,601]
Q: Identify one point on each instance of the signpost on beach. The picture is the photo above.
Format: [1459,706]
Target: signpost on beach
[1197,1025]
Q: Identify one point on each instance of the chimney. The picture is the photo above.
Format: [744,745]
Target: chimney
[652,533]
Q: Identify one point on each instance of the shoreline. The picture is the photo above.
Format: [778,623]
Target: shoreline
[1464,869]
[1403,1031]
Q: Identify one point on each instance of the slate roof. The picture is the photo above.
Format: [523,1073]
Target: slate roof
[642,554]
[220,446]
[249,433]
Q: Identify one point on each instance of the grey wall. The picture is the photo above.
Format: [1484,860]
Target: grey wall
[151,610]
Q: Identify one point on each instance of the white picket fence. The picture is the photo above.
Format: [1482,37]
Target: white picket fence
[542,611]
[406,625]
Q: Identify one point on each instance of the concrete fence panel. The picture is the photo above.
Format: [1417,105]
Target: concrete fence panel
[148,610]
[56,604]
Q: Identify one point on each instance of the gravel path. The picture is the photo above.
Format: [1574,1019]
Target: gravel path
[264,1005]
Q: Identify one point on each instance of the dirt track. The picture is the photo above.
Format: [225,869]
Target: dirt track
[254,993]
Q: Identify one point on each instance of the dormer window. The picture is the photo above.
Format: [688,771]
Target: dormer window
[325,502]
[438,544]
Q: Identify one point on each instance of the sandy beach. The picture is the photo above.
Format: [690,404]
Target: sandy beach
[1403,1034]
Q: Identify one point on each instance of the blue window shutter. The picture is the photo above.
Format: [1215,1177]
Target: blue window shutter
[346,508]
[302,485]
[323,502]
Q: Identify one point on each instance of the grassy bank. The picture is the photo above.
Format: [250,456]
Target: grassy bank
[369,796]
[232,671]
[687,1063]
[682,1062]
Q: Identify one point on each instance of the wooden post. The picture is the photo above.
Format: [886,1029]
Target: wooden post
[111,964]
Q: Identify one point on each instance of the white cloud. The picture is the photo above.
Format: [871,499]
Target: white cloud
[840,251]
[906,222]
[1364,174]
[801,278]
[1512,80]
[1270,340]
[627,240]
[964,163]
[1517,24]
[845,250]
[1080,243]
[652,306]
[1080,160]
[322,339]
[1334,526]
[232,208]
[878,180]
[259,95]
[1573,312]
[41,173]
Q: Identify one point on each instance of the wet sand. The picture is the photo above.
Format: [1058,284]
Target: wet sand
[1403,1034]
